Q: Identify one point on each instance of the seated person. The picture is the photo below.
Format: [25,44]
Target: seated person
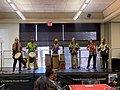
[51,83]
[40,83]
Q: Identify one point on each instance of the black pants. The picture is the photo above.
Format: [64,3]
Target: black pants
[105,60]
[94,61]
[15,62]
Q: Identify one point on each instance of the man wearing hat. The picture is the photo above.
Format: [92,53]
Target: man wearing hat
[56,46]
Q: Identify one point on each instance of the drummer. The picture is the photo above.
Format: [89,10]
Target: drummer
[31,46]
[56,46]
[17,47]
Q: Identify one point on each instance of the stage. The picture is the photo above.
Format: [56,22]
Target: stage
[25,79]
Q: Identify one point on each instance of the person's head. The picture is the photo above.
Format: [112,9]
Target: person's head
[55,40]
[32,40]
[16,40]
[51,74]
[73,40]
[90,41]
[55,74]
[103,40]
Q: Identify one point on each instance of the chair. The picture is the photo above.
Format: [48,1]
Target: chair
[2,87]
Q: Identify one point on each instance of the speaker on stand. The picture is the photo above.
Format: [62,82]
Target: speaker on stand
[115,64]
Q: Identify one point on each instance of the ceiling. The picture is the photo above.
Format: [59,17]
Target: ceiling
[59,10]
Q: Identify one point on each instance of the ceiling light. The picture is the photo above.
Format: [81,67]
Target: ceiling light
[83,7]
[9,1]
[79,12]
[87,1]
[21,15]
[16,9]
[77,15]
[13,6]
[75,18]
[23,18]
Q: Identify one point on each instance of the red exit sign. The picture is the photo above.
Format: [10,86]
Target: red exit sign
[49,24]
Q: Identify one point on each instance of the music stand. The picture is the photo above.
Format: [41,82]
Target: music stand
[1,41]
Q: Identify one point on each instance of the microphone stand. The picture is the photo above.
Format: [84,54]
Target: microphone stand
[1,58]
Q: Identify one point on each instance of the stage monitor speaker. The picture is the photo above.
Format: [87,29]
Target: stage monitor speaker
[115,64]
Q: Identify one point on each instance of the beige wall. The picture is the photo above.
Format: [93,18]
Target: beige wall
[115,40]
[7,33]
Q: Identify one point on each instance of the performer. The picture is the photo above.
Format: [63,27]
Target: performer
[91,47]
[17,47]
[31,46]
[104,48]
[56,46]
[74,47]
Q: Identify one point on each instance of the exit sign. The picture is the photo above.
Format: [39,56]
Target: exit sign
[49,24]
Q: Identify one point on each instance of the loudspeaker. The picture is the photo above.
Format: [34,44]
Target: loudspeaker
[115,64]
[88,15]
